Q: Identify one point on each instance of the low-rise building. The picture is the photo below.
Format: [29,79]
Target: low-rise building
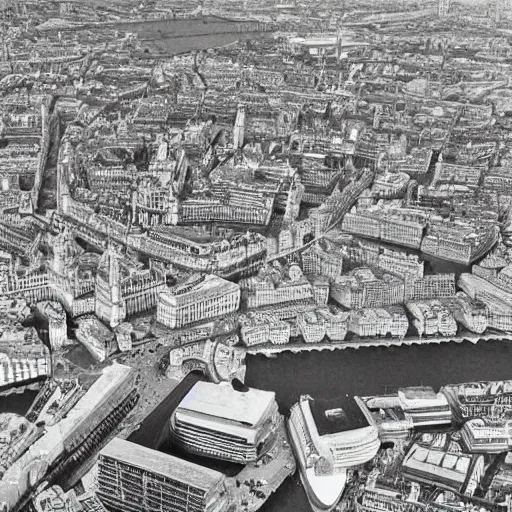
[457,472]
[65,445]
[370,322]
[322,260]
[431,317]
[24,360]
[424,406]
[399,226]
[218,421]
[362,288]
[138,478]
[385,258]
[389,416]
[486,435]
[257,328]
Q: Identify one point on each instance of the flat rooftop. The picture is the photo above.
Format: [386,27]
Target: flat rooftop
[418,393]
[203,282]
[223,401]
[343,414]
[162,464]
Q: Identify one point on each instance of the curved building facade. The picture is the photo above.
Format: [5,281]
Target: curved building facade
[329,437]
[218,421]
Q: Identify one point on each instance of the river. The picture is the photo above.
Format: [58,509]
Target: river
[365,371]
[369,371]
[171,37]
[17,403]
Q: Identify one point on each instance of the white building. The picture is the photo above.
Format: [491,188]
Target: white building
[201,297]
[216,420]
[424,406]
[487,435]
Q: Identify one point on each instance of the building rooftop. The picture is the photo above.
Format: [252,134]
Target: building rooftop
[223,401]
[443,466]
[199,282]
[335,415]
[418,393]
[162,464]
[420,396]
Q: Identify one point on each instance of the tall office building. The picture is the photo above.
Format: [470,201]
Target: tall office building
[136,478]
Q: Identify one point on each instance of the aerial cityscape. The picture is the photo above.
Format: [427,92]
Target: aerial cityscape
[256,256]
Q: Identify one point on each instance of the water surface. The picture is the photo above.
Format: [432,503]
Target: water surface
[368,371]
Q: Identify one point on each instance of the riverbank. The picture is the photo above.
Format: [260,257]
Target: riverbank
[270,350]
[154,432]
[170,45]
[176,24]
[369,371]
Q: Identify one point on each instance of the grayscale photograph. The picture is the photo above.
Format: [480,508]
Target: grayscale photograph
[255,255]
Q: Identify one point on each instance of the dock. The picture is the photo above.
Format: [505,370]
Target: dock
[256,482]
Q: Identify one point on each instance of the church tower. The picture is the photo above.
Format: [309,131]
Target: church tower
[109,304]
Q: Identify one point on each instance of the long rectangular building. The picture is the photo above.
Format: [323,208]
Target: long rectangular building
[401,226]
[135,478]
[457,472]
[98,408]
[202,297]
